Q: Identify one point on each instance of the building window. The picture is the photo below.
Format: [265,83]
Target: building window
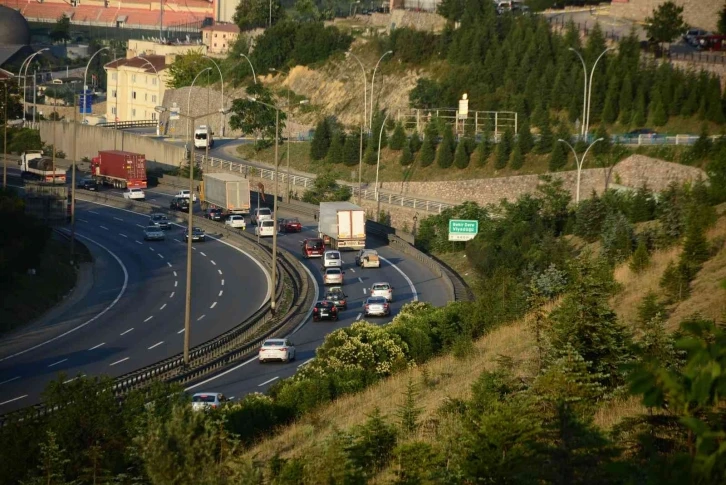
[133,94]
[146,97]
[215,36]
[153,116]
[215,44]
[113,110]
[133,113]
[153,81]
[153,98]
[113,93]
[114,76]
[133,78]
[224,36]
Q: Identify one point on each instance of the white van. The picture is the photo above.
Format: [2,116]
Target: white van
[261,214]
[203,137]
[265,228]
[332,259]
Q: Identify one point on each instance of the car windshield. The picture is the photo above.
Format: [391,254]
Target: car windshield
[292,221]
[205,398]
[332,256]
[274,343]
[264,212]
[381,287]
[152,228]
[315,244]
[200,136]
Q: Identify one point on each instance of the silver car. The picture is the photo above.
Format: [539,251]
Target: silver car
[208,400]
[376,306]
[154,233]
[333,276]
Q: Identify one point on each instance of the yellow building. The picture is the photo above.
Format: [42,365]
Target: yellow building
[135,86]
[220,38]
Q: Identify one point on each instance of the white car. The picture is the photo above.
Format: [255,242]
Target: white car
[184,194]
[208,400]
[382,289]
[376,306]
[332,259]
[277,349]
[236,222]
[261,214]
[134,194]
[265,228]
[333,276]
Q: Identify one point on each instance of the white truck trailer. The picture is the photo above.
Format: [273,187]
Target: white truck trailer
[342,225]
[33,165]
[226,191]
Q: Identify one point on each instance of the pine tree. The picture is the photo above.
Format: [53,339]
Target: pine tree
[376,127]
[675,283]
[649,308]
[504,149]
[658,114]
[560,151]
[483,151]
[610,110]
[461,155]
[427,154]
[605,145]
[626,100]
[415,142]
[398,139]
[715,108]
[445,152]
[432,133]
[370,154]
[546,138]
[321,140]
[335,152]
[641,258]
[525,140]
[406,158]
[52,462]
[517,156]
[408,413]
[638,119]
[351,150]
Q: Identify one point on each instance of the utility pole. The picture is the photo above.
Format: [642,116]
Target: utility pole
[73,178]
[5,137]
[35,90]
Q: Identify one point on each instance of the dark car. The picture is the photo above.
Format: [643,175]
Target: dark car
[198,234]
[325,310]
[290,225]
[87,184]
[214,215]
[160,220]
[337,297]
[642,131]
[180,204]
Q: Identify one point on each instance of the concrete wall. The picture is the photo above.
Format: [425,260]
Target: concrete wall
[698,13]
[91,139]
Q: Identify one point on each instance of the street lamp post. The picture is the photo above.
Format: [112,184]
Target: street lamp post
[85,80]
[579,163]
[5,134]
[362,125]
[188,297]
[221,78]
[74,159]
[378,166]
[587,91]
[373,80]
[189,101]
[26,63]
[254,77]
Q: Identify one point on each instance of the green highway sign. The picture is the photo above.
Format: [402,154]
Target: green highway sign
[462,230]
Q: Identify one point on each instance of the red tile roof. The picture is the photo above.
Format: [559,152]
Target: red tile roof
[223,28]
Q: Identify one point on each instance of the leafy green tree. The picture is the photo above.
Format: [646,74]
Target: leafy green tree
[335,152]
[525,138]
[425,95]
[641,258]
[252,14]
[185,68]
[61,31]
[504,150]
[321,140]
[666,23]
[445,152]
[307,11]
[398,139]
[326,189]
[427,154]
[517,156]
[14,97]
[461,155]
[406,158]
[252,117]
[314,42]
[25,139]
[351,150]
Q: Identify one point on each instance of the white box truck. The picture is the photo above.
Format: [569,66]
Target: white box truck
[226,191]
[342,225]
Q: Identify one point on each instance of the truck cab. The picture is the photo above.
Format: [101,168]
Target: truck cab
[203,137]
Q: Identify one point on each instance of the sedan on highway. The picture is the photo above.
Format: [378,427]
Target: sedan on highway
[312,248]
[87,184]
[291,225]
[277,349]
[159,220]
[134,194]
[180,204]
[325,310]
[382,289]
[198,234]
[236,221]
[376,306]
[333,276]
[153,233]
[335,295]
[214,215]
[202,401]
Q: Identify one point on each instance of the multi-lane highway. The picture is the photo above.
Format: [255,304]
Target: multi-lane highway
[133,315]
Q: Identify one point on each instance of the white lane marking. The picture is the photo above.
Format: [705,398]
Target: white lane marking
[364,291]
[119,361]
[175,283]
[172,294]
[163,306]
[139,242]
[168,264]
[14,399]
[222,281]
[92,212]
[352,270]
[161,256]
[118,218]
[220,271]
[267,382]
[73,379]
[59,362]
[174,274]
[122,234]
[97,346]
[360,279]
[405,276]
[82,220]
[10,380]
[151,249]
[149,318]
[213,262]
[220,292]
[129,330]
[201,317]
[194,248]
[104,227]
[179,241]
[202,253]
[93,319]
[220,374]
[316,292]
[155,345]
[139,225]
[358,317]
[306,362]
[213,305]
[180,331]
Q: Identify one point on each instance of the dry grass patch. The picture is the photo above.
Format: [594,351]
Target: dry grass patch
[461,265]
[447,378]
[613,412]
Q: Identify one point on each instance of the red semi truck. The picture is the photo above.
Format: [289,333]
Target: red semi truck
[120,169]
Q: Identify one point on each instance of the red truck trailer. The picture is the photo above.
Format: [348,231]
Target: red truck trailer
[120,169]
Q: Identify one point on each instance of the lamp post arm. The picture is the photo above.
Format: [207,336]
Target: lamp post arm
[373,80]
[378,165]
[584,94]
[254,76]
[85,79]
[221,79]
[589,89]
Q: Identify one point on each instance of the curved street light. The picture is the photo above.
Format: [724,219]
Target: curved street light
[363,123]
[85,81]
[584,94]
[378,166]
[589,93]
[221,78]
[579,163]
[26,63]
[189,101]
[373,80]
[254,77]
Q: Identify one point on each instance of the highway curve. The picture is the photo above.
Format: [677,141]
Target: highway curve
[134,314]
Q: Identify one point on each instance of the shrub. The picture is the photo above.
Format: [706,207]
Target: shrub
[406,158]
[427,154]
[641,258]
[445,152]
[321,140]
[618,237]
[415,142]
[398,139]
[461,156]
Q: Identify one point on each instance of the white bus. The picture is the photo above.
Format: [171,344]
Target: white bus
[203,137]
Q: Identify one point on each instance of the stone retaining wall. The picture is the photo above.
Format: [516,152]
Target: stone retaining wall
[698,13]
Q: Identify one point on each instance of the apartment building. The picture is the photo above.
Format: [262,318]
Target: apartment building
[135,86]
[220,38]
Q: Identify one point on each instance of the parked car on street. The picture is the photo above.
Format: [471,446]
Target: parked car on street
[325,310]
[333,276]
[198,234]
[277,349]
[382,289]
[153,233]
[290,225]
[208,400]
[336,295]
[134,194]
[236,221]
[376,306]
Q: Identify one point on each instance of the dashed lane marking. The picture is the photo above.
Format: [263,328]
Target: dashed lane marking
[119,361]
[74,378]
[82,220]
[220,292]
[126,331]
[149,318]
[352,270]
[358,317]
[10,380]
[168,264]
[97,346]
[14,399]
[139,242]
[267,382]
[201,317]
[212,261]
[104,228]
[222,281]
[59,362]
[161,256]
[364,291]
[155,345]
[360,279]
[180,331]
[151,249]
[139,225]
[172,294]
[93,212]
[213,305]
[176,283]
[202,253]
[118,219]
[163,306]
[174,274]
[220,271]
[122,234]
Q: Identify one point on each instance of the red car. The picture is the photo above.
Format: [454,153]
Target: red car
[313,248]
[325,310]
[290,225]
